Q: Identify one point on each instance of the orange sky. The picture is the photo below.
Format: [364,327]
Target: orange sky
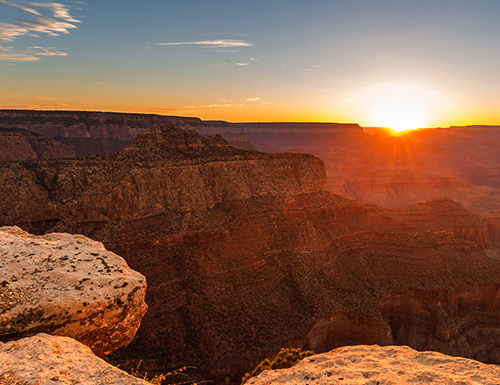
[374,62]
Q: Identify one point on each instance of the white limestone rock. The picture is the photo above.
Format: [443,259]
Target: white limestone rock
[388,365]
[45,359]
[67,285]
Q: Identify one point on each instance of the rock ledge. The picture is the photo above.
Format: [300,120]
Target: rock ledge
[389,365]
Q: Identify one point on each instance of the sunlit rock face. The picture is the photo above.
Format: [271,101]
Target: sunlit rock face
[456,162]
[246,252]
[46,359]
[67,285]
[371,365]
[189,174]
[17,144]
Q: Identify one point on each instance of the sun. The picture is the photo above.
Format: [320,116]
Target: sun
[399,108]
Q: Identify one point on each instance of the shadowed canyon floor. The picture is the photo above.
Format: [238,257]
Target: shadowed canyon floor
[246,252]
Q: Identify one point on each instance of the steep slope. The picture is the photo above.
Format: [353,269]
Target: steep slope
[18,144]
[245,252]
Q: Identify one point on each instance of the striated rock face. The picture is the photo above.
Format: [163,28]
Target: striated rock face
[372,365]
[105,132]
[46,359]
[149,179]
[67,285]
[87,132]
[458,162]
[245,253]
[17,144]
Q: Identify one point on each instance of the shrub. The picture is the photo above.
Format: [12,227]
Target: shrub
[158,380]
[286,358]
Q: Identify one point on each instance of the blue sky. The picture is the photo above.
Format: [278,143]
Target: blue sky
[253,60]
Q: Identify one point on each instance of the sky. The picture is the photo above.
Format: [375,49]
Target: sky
[434,62]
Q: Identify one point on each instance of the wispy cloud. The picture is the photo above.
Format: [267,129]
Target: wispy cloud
[26,55]
[58,10]
[221,43]
[41,51]
[17,57]
[254,58]
[317,67]
[9,32]
[241,64]
[223,104]
[60,22]
[25,9]
[47,25]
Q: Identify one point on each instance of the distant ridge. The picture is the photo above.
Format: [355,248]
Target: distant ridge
[89,132]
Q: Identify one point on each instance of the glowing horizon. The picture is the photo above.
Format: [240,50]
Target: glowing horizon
[371,62]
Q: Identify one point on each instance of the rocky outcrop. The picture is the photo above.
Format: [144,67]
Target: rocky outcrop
[147,179]
[17,144]
[46,359]
[245,253]
[372,365]
[67,285]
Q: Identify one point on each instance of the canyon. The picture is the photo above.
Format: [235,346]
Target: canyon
[246,252]
[457,162]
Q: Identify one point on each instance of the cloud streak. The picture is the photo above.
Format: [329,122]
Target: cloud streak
[21,7]
[17,57]
[9,32]
[47,25]
[59,11]
[221,43]
[12,54]
[60,22]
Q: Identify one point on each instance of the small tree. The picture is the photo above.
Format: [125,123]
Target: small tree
[286,358]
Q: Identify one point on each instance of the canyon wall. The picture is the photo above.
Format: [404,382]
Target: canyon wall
[457,162]
[18,144]
[246,252]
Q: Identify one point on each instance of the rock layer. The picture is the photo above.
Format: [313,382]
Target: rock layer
[458,162]
[67,285]
[17,144]
[46,359]
[147,179]
[372,365]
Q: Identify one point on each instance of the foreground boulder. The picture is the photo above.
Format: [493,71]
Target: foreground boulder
[45,359]
[372,365]
[67,285]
